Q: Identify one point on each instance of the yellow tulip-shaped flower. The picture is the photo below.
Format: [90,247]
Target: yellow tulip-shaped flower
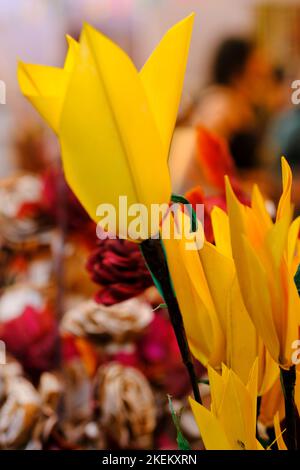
[203,327]
[264,254]
[243,344]
[218,326]
[230,424]
[114,123]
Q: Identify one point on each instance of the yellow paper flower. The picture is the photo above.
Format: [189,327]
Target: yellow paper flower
[264,253]
[243,344]
[203,327]
[218,326]
[114,123]
[230,424]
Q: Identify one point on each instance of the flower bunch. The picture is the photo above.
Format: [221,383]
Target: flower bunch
[233,303]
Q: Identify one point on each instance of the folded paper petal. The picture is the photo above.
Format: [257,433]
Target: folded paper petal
[231,422]
[259,207]
[45,86]
[241,336]
[202,325]
[211,430]
[219,273]
[221,231]
[256,255]
[163,75]
[284,206]
[259,301]
[106,101]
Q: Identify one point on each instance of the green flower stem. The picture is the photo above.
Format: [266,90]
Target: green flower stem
[154,256]
[288,382]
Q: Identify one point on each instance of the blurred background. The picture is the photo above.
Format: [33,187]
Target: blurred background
[77,315]
[34,31]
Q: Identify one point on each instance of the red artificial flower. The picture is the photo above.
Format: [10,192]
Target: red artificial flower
[215,159]
[196,196]
[119,268]
[32,339]
[29,210]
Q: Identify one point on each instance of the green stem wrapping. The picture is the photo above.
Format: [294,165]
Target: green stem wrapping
[288,382]
[154,255]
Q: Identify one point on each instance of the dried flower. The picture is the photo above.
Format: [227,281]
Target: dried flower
[119,323]
[18,413]
[126,405]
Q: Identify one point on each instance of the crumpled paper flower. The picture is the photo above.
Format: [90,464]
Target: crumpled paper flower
[19,413]
[119,323]
[126,405]
[22,216]
[29,330]
[119,268]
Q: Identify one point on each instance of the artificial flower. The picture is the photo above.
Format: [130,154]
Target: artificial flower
[196,196]
[119,268]
[230,424]
[32,339]
[215,158]
[202,324]
[243,344]
[264,255]
[114,123]
[217,324]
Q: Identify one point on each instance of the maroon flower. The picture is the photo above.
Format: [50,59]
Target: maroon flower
[119,268]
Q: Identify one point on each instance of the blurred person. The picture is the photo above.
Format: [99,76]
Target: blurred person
[236,106]
[283,139]
[283,136]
